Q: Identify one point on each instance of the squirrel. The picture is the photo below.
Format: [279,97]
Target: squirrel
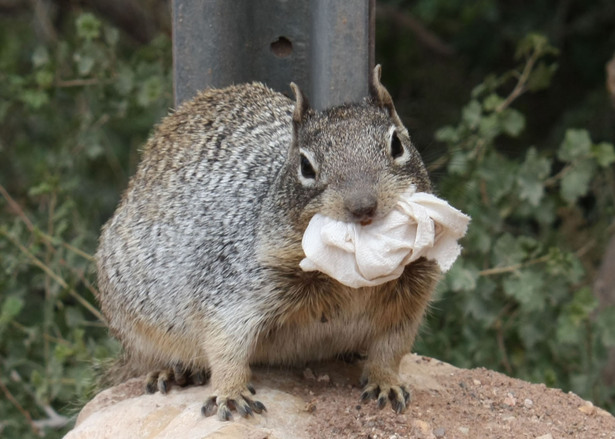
[198,268]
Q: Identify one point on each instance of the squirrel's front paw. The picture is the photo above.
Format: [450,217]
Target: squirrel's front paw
[240,401]
[383,391]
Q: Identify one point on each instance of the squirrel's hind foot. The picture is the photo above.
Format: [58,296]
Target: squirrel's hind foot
[241,402]
[161,380]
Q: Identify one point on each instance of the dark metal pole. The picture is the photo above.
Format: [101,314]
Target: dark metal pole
[340,52]
[325,46]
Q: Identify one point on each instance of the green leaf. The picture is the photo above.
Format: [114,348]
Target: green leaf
[527,287]
[447,134]
[125,80]
[479,239]
[62,352]
[471,114]
[492,101]
[85,63]
[489,126]
[498,173]
[40,57]
[44,78]
[604,154]
[35,99]
[74,317]
[534,42]
[4,108]
[41,189]
[508,251]
[479,304]
[564,264]
[489,84]
[531,176]
[541,76]
[458,164]
[513,122]
[36,379]
[582,305]
[529,43]
[112,36]
[606,325]
[532,332]
[577,143]
[92,145]
[575,183]
[478,90]
[462,278]
[567,331]
[149,91]
[88,26]
[11,307]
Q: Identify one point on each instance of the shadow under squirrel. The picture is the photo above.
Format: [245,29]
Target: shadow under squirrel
[198,269]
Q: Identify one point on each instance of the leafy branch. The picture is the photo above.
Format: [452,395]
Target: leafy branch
[16,208]
[57,278]
[9,396]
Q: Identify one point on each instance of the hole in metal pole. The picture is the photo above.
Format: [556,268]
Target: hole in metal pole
[282,47]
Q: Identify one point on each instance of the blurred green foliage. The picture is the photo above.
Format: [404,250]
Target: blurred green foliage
[73,113]
[527,153]
[520,299]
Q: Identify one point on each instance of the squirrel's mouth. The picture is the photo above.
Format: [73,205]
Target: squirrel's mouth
[366,222]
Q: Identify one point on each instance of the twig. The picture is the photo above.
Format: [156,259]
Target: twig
[54,420]
[484,195]
[438,163]
[77,82]
[81,277]
[46,336]
[512,268]
[48,255]
[18,406]
[424,35]
[520,87]
[502,348]
[553,179]
[610,79]
[33,229]
[17,208]
[41,15]
[37,262]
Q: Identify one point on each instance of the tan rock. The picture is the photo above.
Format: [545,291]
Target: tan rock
[442,405]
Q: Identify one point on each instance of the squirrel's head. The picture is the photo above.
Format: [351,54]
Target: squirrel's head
[351,162]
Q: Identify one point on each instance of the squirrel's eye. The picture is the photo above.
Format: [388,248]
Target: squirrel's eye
[397,150]
[307,170]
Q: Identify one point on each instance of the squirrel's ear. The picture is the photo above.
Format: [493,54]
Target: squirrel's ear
[301,104]
[380,95]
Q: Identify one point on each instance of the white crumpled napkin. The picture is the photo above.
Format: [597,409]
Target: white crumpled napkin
[362,256]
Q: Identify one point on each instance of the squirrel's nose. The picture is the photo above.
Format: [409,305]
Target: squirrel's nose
[362,207]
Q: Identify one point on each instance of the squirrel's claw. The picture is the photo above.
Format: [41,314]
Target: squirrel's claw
[161,380]
[209,406]
[243,404]
[398,395]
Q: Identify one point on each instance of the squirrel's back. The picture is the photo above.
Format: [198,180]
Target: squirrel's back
[242,130]
[195,197]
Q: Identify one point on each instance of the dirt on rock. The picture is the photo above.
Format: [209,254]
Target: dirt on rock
[476,403]
[323,401]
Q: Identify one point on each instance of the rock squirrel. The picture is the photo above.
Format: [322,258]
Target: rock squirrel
[198,269]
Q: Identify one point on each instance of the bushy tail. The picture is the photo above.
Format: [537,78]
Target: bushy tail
[115,371]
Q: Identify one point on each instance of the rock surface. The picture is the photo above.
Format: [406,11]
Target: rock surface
[322,401]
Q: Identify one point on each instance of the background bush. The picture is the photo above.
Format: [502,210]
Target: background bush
[505,100]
